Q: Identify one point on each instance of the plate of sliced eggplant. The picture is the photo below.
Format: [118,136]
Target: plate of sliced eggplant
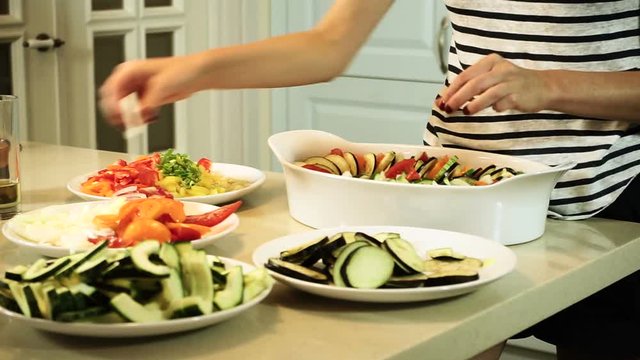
[385,264]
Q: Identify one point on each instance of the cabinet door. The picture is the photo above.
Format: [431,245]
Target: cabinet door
[358,109]
[404,46]
[387,93]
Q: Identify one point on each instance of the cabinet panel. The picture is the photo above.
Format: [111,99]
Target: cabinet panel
[404,46]
[358,109]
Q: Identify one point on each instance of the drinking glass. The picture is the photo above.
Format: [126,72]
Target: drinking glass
[9,155]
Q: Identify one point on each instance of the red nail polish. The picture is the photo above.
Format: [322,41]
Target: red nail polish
[448,109]
[466,111]
[441,104]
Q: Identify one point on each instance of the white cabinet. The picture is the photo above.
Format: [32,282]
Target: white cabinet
[387,92]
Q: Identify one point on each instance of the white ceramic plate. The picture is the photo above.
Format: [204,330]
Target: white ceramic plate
[501,260]
[255,176]
[191,208]
[122,330]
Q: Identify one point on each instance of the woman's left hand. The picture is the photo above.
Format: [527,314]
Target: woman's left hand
[496,82]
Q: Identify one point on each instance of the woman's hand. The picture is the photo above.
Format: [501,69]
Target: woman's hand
[497,83]
[157,81]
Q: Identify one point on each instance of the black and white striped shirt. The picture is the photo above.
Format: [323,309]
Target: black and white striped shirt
[561,34]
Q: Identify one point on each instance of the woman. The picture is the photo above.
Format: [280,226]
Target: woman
[550,81]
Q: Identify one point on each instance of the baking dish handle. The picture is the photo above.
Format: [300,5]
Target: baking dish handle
[289,146]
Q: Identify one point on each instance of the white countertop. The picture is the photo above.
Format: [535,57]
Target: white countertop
[570,261]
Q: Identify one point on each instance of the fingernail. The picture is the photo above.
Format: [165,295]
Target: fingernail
[448,109]
[441,104]
[466,111]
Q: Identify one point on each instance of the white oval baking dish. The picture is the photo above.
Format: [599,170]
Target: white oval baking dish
[511,211]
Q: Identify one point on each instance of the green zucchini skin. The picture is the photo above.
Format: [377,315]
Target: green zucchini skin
[150,282]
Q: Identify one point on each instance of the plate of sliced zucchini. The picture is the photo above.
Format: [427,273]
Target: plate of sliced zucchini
[385,264]
[150,289]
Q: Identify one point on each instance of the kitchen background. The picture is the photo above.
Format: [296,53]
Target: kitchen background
[385,95]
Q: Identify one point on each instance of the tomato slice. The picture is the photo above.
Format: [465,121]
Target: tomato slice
[214,217]
[402,166]
[316,168]
[205,163]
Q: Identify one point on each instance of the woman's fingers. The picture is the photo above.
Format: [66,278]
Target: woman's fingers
[497,83]
[483,66]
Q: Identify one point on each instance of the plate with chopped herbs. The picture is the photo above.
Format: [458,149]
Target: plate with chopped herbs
[169,174]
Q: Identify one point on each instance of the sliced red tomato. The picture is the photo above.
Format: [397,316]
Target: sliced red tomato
[205,163]
[214,217]
[423,157]
[402,166]
[413,174]
[316,168]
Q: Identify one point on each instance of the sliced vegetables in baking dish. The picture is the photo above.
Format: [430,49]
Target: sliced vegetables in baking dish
[397,167]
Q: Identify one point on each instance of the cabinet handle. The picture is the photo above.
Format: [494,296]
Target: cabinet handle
[442,36]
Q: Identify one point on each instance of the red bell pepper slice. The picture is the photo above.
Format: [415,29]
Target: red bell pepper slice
[214,217]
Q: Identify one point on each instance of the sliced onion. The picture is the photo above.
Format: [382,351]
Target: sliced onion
[125,190]
[135,195]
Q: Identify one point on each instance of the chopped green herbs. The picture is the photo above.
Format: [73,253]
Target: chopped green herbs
[176,164]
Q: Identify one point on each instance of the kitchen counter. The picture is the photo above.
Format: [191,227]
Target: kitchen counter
[569,262]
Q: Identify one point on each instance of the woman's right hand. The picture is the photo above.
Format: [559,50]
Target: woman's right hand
[157,81]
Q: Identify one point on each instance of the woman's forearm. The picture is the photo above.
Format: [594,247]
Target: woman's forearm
[604,95]
[289,60]
[317,55]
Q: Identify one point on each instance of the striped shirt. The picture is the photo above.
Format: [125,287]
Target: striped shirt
[561,34]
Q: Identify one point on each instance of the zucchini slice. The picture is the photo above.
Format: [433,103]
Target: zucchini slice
[187,307]
[78,259]
[133,311]
[77,315]
[26,300]
[296,271]
[404,254]
[453,160]
[352,161]
[196,276]
[367,267]
[169,255]
[15,273]
[232,294]
[41,270]
[141,253]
